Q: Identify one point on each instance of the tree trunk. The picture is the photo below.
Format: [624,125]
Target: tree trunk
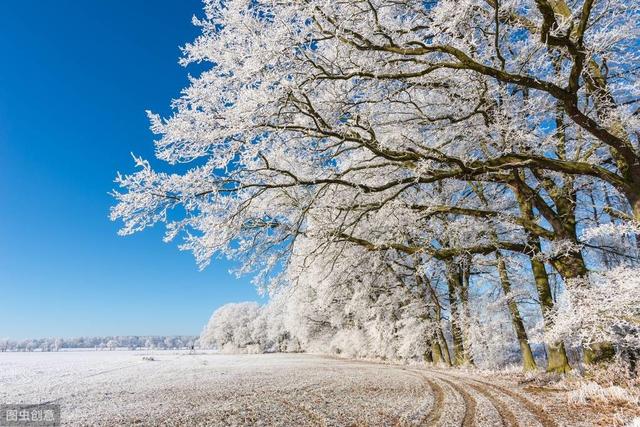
[433,353]
[428,354]
[556,353]
[528,361]
[436,351]
[570,266]
[456,330]
[454,283]
[635,208]
[557,360]
[465,274]
[444,346]
[440,347]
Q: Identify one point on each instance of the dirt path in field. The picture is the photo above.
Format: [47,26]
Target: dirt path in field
[458,400]
[445,399]
[453,398]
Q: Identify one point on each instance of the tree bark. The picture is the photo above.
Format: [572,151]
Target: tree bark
[440,340]
[454,282]
[465,275]
[436,351]
[456,330]
[444,346]
[556,353]
[528,361]
[557,360]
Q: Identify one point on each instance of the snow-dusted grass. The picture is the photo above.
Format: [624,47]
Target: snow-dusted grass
[206,388]
[123,387]
[593,392]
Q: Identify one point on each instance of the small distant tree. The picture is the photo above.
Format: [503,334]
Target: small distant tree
[112,344]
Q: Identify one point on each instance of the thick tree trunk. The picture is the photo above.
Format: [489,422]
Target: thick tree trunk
[556,353]
[440,342]
[465,277]
[456,330]
[570,266]
[455,284]
[428,354]
[557,360]
[528,361]
[444,346]
[436,352]
[601,352]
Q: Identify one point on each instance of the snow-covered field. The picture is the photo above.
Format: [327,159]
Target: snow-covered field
[177,388]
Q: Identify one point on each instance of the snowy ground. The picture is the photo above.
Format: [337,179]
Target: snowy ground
[119,387]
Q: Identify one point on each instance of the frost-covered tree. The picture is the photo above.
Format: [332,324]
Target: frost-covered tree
[231,328]
[412,172]
[607,309]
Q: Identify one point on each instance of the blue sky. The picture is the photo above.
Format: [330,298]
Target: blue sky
[75,80]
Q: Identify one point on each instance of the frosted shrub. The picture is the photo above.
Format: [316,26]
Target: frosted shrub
[593,392]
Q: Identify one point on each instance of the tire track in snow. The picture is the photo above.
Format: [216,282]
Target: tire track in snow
[437,402]
[469,419]
[435,413]
[506,416]
[534,409]
[500,398]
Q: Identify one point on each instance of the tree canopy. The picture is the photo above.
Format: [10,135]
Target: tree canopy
[444,163]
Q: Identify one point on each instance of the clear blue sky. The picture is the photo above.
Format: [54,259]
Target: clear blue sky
[75,80]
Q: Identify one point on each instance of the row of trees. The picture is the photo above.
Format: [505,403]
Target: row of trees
[461,175]
[360,321]
[109,342]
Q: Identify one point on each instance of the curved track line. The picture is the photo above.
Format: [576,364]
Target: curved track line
[435,413]
[533,408]
[506,416]
[469,419]
[495,394]
[436,391]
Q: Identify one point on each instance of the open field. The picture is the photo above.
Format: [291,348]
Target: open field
[119,387]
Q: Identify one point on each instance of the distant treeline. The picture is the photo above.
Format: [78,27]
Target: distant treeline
[106,343]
